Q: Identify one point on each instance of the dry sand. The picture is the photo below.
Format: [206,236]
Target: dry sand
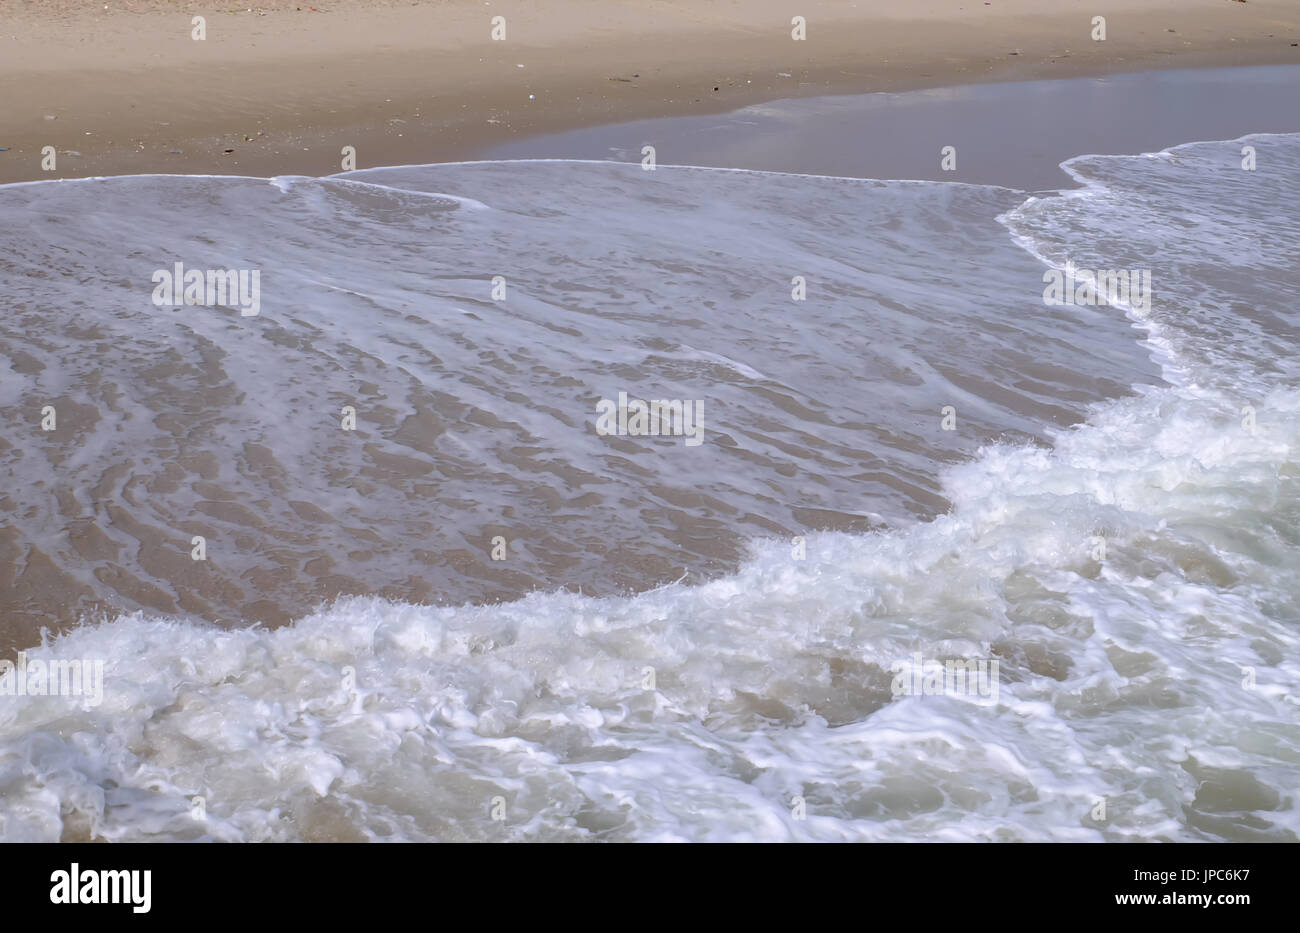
[121,87]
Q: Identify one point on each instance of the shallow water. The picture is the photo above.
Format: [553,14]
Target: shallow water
[476,418]
[1114,518]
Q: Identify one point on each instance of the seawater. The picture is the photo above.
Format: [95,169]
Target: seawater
[683,643]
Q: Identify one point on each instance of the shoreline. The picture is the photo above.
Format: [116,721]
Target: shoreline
[284,90]
[1011,134]
[993,124]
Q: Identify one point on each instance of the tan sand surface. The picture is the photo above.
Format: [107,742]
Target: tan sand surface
[122,87]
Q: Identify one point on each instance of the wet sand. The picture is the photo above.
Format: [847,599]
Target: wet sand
[1014,134]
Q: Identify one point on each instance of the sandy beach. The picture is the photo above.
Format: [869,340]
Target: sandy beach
[282,87]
